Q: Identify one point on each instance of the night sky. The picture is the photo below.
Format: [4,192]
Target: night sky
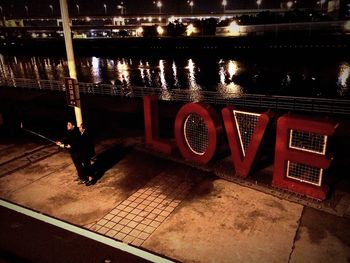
[95,7]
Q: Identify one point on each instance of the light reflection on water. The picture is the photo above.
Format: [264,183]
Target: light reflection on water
[343,79]
[227,86]
[195,94]
[229,77]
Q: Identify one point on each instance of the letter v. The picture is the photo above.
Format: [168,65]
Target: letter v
[245,138]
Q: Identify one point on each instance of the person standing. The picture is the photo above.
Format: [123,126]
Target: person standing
[86,152]
[72,143]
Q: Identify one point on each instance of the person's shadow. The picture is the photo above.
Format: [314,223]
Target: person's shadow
[107,159]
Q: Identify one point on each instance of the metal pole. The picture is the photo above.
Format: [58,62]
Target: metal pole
[37,134]
[70,56]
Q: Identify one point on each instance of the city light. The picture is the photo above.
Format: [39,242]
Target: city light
[27,10]
[139,31]
[224,3]
[190,30]
[160,30]
[51,8]
[321,3]
[121,7]
[347,26]
[258,2]
[234,28]
[191,4]
[159,5]
[289,4]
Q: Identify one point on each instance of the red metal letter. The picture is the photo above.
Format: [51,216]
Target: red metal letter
[197,131]
[300,155]
[150,107]
[244,158]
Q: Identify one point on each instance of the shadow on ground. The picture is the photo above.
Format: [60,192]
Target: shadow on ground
[108,158]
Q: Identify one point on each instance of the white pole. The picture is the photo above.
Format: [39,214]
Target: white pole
[70,56]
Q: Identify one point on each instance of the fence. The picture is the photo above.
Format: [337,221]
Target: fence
[302,104]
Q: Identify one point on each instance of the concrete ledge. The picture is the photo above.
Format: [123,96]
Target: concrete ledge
[54,240]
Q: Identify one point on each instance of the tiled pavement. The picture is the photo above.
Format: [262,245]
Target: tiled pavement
[137,217]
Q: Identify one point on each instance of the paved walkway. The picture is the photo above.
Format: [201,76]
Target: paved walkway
[136,218]
[176,210]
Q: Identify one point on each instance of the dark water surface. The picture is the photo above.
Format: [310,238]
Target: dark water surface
[292,75]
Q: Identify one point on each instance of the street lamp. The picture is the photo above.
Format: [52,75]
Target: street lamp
[78,10]
[121,7]
[191,4]
[27,10]
[159,5]
[105,7]
[258,2]
[51,7]
[289,4]
[224,3]
[322,2]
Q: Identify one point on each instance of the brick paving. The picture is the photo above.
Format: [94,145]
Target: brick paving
[137,217]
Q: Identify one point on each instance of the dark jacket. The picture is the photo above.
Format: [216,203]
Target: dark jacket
[72,138]
[86,146]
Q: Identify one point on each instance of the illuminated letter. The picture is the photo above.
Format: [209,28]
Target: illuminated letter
[245,132]
[197,132]
[150,108]
[300,155]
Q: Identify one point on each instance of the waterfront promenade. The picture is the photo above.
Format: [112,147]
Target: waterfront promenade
[168,208]
[172,209]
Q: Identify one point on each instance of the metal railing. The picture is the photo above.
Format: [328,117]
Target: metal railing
[302,104]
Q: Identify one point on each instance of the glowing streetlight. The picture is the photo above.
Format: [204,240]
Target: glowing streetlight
[27,10]
[289,4]
[159,5]
[224,4]
[51,7]
[322,2]
[191,4]
[105,7]
[258,2]
[78,10]
[2,16]
[121,7]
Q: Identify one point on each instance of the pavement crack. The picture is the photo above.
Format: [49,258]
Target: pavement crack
[296,235]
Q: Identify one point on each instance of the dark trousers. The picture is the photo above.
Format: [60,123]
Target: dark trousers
[87,168]
[79,166]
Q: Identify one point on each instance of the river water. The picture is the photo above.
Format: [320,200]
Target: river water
[291,76]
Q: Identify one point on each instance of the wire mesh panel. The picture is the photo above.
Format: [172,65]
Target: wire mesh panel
[308,141]
[245,123]
[196,133]
[304,173]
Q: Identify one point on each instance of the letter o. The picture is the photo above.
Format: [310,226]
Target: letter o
[197,132]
